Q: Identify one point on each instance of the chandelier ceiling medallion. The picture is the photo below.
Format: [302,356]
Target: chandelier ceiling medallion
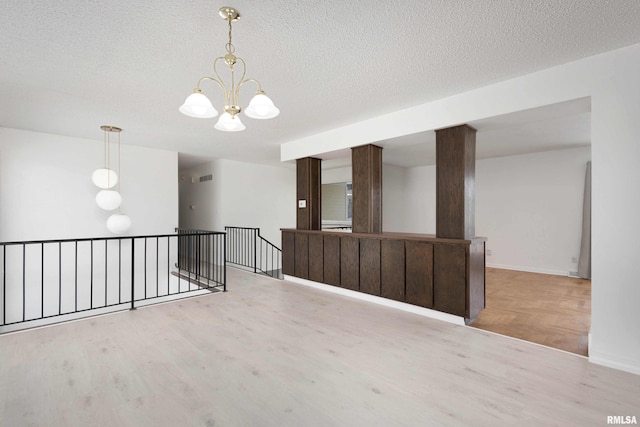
[199,106]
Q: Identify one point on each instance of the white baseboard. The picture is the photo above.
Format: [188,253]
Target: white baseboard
[609,362]
[456,320]
[529,269]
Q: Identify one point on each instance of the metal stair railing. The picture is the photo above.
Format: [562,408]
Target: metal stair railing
[247,248]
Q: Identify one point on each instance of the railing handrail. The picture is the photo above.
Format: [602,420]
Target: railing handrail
[242,228]
[280,250]
[197,231]
[89,239]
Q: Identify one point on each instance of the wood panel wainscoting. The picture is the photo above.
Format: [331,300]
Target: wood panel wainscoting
[446,275]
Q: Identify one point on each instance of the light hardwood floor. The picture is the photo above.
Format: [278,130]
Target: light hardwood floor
[275,353]
[550,310]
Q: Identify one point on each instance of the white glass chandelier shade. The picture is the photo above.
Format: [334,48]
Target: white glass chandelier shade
[229,123]
[119,223]
[197,105]
[261,107]
[108,199]
[104,178]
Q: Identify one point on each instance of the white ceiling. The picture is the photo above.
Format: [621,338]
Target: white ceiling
[69,66]
[553,127]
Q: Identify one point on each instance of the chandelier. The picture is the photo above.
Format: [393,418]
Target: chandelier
[199,106]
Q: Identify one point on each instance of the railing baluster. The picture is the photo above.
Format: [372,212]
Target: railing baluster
[24,284]
[75,278]
[179,257]
[145,268]
[209,261]
[91,291]
[255,250]
[119,271]
[42,280]
[157,264]
[4,284]
[59,277]
[106,268]
[133,273]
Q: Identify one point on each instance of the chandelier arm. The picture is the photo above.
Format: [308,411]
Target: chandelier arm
[253,81]
[220,81]
[224,89]
[241,81]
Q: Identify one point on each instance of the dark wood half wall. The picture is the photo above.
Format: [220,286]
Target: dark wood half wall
[392,264]
[350,263]
[370,266]
[419,271]
[441,274]
[331,260]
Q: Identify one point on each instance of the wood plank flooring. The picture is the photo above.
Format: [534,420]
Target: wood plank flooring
[550,310]
[275,353]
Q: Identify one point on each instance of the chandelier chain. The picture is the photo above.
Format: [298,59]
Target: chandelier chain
[230,48]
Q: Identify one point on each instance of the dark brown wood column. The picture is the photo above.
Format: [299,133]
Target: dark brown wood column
[455,182]
[366,166]
[308,196]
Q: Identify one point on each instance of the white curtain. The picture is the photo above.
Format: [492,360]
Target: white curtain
[584,263]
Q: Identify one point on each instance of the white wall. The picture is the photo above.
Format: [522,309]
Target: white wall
[241,195]
[612,80]
[393,198]
[420,212]
[335,175]
[199,200]
[536,199]
[334,202]
[46,190]
[533,198]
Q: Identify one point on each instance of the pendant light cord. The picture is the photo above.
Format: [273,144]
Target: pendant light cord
[119,174]
[106,158]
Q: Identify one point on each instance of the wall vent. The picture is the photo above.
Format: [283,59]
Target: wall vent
[573,274]
[206,178]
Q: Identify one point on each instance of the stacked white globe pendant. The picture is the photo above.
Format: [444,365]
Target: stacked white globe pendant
[118,223]
[105,178]
[108,199]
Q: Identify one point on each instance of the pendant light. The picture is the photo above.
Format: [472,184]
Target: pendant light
[199,106]
[117,223]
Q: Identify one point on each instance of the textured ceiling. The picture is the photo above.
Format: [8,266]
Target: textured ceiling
[67,67]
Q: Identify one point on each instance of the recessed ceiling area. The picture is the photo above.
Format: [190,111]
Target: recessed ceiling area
[552,127]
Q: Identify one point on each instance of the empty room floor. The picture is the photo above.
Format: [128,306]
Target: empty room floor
[550,310]
[276,353]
